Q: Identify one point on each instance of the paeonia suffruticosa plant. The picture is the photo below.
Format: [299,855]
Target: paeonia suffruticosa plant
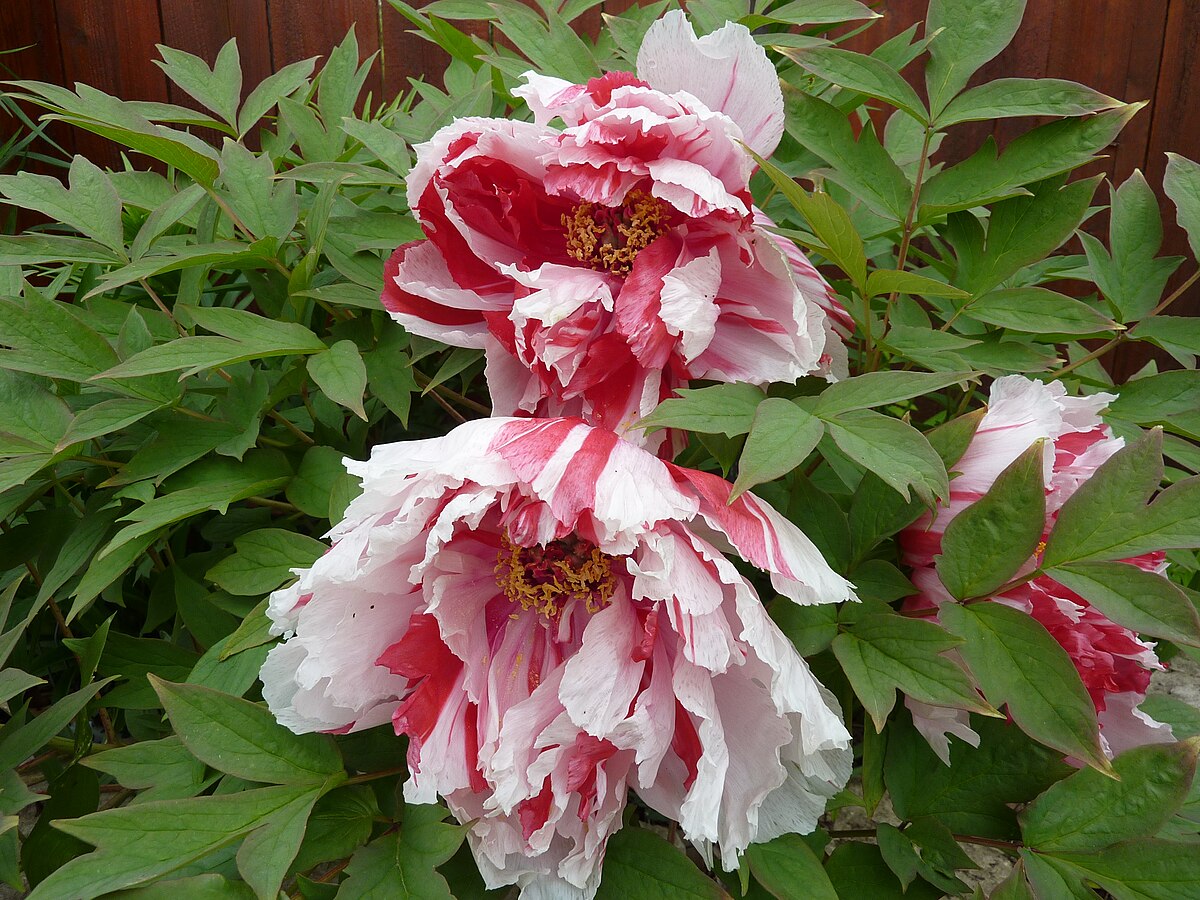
[648,467]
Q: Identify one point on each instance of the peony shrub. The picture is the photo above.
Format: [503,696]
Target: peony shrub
[646,468]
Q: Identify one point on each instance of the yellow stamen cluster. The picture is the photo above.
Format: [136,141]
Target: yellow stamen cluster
[546,579]
[609,238]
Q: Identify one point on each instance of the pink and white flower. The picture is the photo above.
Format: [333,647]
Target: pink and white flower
[604,264]
[545,610]
[1113,662]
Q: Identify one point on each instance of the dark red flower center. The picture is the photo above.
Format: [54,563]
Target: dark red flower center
[547,578]
[610,237]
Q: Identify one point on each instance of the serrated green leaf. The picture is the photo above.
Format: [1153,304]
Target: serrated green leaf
[1019,664]
[218,88]
[269,91]
[90,204]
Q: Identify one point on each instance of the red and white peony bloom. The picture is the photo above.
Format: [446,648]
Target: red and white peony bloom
[604,264]
[544,610]
[1113,662]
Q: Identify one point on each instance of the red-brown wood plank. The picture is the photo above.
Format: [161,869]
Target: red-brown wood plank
[109,44]
[303,28]
[30,27]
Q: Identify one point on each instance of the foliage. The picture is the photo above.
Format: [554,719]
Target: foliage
[192,345]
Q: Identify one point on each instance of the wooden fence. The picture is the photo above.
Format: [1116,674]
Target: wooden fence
[1130,49]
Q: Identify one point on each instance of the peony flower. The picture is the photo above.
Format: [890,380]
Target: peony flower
[604,264]
[1113,662]
[544,610]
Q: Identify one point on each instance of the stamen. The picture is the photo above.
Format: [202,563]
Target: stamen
[546,579]
[610,237]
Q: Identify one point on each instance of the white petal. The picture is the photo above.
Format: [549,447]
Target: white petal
[726,70]
[688,303]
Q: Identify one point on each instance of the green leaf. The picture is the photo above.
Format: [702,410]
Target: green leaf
[975,792]
[340,823]
[987,543]
[822,12]
[269,91]
[1132,278]
[1178,335]
[240,325]
[1181,182]
[1018,663]
[253,631]
[1038,311]
[886,281]
[968,33]
[90,204]
[859,870]
[1024,230]
[638,863]
[243,739]
[781,437]
[106,417]
[1039,154]
[1142,869]
[859,165]
[1158,398]
[388,146]
[722,409]
[865,74]
[341,375]
[89,649]
[828,221]
[883,651]
[319,472]
[789,869]
[1089,811]
[14,681]
[266,207]
[194,354]
[48,340]
[1007,97]
[1139,600]
[898,852]
[264,560]
[149,840]
[267,852]
[1047,879]
[404,865]
[810,628]
[195,887]
[218,88]
[1107,517]
[881,389]
[19,743]
[158,770]
[893,450]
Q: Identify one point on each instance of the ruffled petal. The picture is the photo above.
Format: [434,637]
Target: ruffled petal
[726,70]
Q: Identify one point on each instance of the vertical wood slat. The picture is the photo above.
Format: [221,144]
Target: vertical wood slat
[30,27]
[109,46]
[301,28]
